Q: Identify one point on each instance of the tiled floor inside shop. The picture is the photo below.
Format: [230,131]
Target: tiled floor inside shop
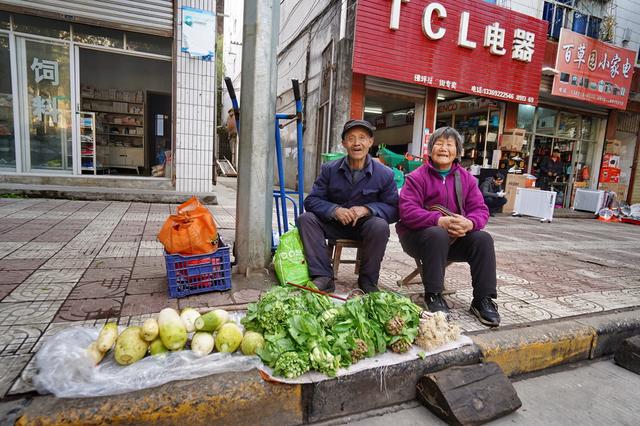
[65,263]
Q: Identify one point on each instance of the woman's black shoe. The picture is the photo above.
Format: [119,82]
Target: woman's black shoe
[486,310]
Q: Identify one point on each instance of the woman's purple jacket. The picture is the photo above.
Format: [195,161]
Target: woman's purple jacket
[425,187]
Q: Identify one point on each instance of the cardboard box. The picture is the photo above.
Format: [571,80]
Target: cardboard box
[609,175]
[513,182]
[512,140]
[614,146]
[619,188]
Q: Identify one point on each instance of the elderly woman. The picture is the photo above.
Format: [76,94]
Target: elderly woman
[442,214]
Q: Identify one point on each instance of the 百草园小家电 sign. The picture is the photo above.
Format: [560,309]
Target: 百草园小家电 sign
[592,71]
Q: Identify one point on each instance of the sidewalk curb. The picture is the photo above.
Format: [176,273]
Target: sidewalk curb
[242,398]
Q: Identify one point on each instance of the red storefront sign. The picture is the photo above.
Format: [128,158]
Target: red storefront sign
[592,71]
[465,46]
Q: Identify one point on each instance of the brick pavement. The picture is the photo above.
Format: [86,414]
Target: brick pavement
[65,263]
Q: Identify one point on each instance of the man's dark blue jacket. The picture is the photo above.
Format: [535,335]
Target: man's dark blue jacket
[376,190]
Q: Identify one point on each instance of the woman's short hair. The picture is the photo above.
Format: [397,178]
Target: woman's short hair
[446,133]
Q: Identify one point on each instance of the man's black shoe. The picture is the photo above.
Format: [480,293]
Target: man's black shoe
[436,303]
[325,284]
[368,288]
[486,310]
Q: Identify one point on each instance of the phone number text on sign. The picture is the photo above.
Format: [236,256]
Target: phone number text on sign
[501,94]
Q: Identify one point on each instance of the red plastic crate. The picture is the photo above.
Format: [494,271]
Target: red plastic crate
[199,273]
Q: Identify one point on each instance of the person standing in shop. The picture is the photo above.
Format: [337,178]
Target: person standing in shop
[354,198]
[493,194]
[551,169]
[442,216]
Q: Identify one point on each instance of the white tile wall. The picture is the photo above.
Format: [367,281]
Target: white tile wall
[195,94]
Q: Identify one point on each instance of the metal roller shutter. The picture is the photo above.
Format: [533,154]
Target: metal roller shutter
[389,86]
[148,16]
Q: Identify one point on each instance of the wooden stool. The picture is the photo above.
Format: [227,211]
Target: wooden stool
[418,271]
[335,252]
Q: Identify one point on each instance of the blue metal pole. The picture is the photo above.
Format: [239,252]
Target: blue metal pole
[296,94]
[283,199]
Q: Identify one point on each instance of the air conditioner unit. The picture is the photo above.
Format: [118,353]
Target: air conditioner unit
[589,200]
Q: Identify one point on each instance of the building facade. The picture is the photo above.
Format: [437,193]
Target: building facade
[488,70]
[106,89]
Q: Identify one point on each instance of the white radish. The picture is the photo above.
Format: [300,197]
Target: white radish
[189,315]
[202,343]
[150,330]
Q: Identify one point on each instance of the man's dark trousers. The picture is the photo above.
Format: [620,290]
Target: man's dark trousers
[372,231]
[432,246]
[495,203]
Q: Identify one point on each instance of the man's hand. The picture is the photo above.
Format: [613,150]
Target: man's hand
[345,216]
[359,212]
[456,226]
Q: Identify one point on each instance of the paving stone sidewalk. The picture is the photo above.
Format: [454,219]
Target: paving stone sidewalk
[66,263]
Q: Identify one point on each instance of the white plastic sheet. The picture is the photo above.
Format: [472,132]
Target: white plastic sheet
[381,360]
[65,370]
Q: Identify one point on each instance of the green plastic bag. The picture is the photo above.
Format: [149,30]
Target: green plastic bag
[289,261]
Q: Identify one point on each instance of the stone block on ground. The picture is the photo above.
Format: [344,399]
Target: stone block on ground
[628,356]
[468,395]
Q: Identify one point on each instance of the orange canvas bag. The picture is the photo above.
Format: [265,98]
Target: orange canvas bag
[191,231]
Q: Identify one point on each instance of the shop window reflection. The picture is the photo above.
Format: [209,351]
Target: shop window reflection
[41,26]
[4,21]
[99,36]
[525,116]
[7,134]
[568,125]
[48,89]
[149,44]
[546,122]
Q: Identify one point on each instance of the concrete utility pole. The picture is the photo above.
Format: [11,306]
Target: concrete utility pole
[257,135]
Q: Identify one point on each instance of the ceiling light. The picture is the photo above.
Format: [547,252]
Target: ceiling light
[441,98]
[373,110]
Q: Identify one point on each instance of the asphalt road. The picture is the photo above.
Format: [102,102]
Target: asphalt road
[594,393]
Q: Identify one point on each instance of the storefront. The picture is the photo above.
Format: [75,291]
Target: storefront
[422,65]
[591,78]
[96,90]
[56,72]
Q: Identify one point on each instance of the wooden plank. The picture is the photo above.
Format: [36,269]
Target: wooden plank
[628,356]
[468,395]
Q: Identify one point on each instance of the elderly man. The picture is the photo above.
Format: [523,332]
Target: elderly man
[442,214]
[353,198]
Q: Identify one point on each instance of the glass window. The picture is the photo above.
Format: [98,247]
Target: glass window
[546,123]
[568,125]
[7,134]
[579,23]
[594,27]
[590,127]
[96,35]
[4,21]
[41,26]
[48,96]
[525,117]
[149,44]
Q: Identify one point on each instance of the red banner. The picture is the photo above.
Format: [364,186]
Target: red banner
[592,71]
[466,46]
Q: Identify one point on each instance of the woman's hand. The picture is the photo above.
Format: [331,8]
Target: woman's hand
[456,226]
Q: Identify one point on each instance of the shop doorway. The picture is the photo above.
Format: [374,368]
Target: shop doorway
[159,132]
[394,119]
[127,93]
[478,121]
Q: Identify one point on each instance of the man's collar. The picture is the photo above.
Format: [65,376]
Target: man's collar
[368,166]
